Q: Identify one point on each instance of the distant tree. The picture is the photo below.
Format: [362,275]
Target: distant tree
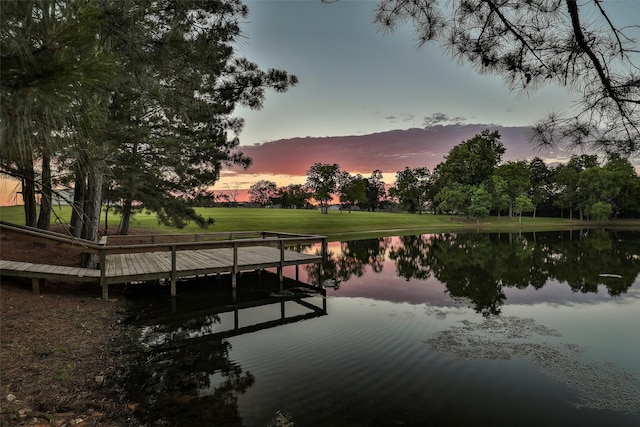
[481,202]
[532,43]
[624,177]
[322,181]
[436,184]
[294,196]
[455,198]
[541,185]
[262,192]
[565,181]
[615,184]
[412,187]
[595,185]
[229,193]
[353,190]
[600,211]
[565,177]
[497,187]
[522,204]
[516,177]
[472,162]
[375,190]
[582,161]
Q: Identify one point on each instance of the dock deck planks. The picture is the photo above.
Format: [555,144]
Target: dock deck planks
[131,267]
[125,263]
[45,271]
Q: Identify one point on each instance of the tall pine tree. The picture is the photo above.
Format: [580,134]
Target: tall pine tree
[170,116]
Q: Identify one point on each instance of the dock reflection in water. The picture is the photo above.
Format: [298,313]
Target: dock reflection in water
[185,375]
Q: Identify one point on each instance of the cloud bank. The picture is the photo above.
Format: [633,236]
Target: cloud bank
[387,151]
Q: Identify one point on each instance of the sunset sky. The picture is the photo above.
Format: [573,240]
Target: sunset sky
[356,80]
[364,95]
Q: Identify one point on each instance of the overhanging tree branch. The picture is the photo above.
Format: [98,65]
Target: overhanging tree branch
[531,43]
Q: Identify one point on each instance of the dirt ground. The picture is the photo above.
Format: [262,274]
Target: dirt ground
[63,353]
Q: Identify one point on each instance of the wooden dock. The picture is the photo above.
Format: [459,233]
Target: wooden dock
[126,259]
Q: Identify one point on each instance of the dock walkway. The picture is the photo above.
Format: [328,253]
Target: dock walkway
[126,259]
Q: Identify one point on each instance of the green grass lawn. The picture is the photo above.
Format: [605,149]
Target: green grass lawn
[335,225]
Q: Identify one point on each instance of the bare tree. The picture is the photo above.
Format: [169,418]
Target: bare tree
[229,194]
[537,42]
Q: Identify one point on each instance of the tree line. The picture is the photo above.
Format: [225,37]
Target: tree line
[474,181]
[325,183]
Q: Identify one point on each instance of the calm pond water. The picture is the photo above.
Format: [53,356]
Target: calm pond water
[447,329]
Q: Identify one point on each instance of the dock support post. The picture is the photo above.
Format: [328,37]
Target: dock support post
[281,266]
[234,273]
[103,274]
[173,270]
[35,285]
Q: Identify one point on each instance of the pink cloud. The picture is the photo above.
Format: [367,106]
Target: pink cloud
[388,151]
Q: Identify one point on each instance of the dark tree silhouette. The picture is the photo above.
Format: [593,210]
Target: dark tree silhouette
[532,43]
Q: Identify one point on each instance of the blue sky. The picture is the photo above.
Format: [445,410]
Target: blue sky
[355,80]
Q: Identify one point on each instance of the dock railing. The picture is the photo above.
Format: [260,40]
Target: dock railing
[111,245]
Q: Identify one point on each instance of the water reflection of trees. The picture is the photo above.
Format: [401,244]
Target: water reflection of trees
[583,256]
[410,257]
[352,261]
[477,267]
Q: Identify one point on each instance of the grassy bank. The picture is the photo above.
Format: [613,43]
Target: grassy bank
[335,224]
